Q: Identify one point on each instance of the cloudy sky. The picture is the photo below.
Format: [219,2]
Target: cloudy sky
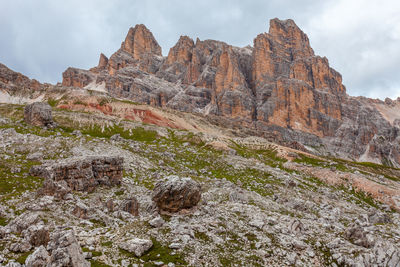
[361,38]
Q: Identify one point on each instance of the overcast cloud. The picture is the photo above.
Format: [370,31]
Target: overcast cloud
[361,38]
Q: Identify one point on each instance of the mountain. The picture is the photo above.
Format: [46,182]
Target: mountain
[277,88]
[214,155]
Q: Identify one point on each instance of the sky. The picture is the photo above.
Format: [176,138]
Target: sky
[361,38]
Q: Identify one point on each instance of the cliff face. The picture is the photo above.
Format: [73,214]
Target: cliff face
[278,87]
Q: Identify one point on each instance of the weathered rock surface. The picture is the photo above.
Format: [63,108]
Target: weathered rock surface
[131,205]
[176,194]
[137,246]
[39,258]
[278,87]
[38,114]
[79,174]
[65,250]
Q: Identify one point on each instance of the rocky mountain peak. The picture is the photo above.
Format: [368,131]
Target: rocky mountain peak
[182,51]
[140,41]
[279,87]
[103,61]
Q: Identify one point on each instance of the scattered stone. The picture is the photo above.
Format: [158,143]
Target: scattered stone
[40,257]
[356,235]
[23,221]
[157,222]
[80,210]
[378,218]
[76,133]
[37,235]
[110,205]
[175,245]
[22,246]
[296,226]
[37,156]
[136,246]
[175,194]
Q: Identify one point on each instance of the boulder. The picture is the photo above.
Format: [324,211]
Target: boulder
[23,221]
[358,236]
[136,246]
[37,235]
[175,194]
[39,114]
[65,250]
[40,257]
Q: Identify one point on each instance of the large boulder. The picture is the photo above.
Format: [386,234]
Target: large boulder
[136,246]
[38,114]
[175,194]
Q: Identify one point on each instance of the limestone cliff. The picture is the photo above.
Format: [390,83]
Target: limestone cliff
[278,88]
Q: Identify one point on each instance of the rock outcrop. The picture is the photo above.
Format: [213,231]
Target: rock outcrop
[79,174]
[65,250]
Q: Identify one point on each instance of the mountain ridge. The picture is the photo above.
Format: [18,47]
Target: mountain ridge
[278,87]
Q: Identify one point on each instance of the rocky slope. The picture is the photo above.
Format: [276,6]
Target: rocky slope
[103,191]
[278,87]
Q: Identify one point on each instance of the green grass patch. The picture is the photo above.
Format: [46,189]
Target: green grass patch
[158,252]
[95,263]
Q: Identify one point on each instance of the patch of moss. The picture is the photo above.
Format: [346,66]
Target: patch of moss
[22,258]
[158,252]
[3,221]
[95,263]
[202,236]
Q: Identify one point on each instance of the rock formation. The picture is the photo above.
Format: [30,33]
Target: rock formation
[80,174]
[278,88]
[38,114]
[175,194]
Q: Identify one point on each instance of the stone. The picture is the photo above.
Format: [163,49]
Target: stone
[175,194]
[110,205]
[296,226]
[378,218]
[136,246]
[23,221]
[37,235]
[131,206]
[356,235]
[65,250]
[80,210]
[78,174]
[157,222]
[20,247]
[40,257]
[38,114]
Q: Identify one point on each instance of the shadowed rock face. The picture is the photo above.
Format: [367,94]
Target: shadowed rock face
[278,88]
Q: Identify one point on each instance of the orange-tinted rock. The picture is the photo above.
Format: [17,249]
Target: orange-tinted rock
[103,61]
[139,42]
[77,77]
[290,81]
